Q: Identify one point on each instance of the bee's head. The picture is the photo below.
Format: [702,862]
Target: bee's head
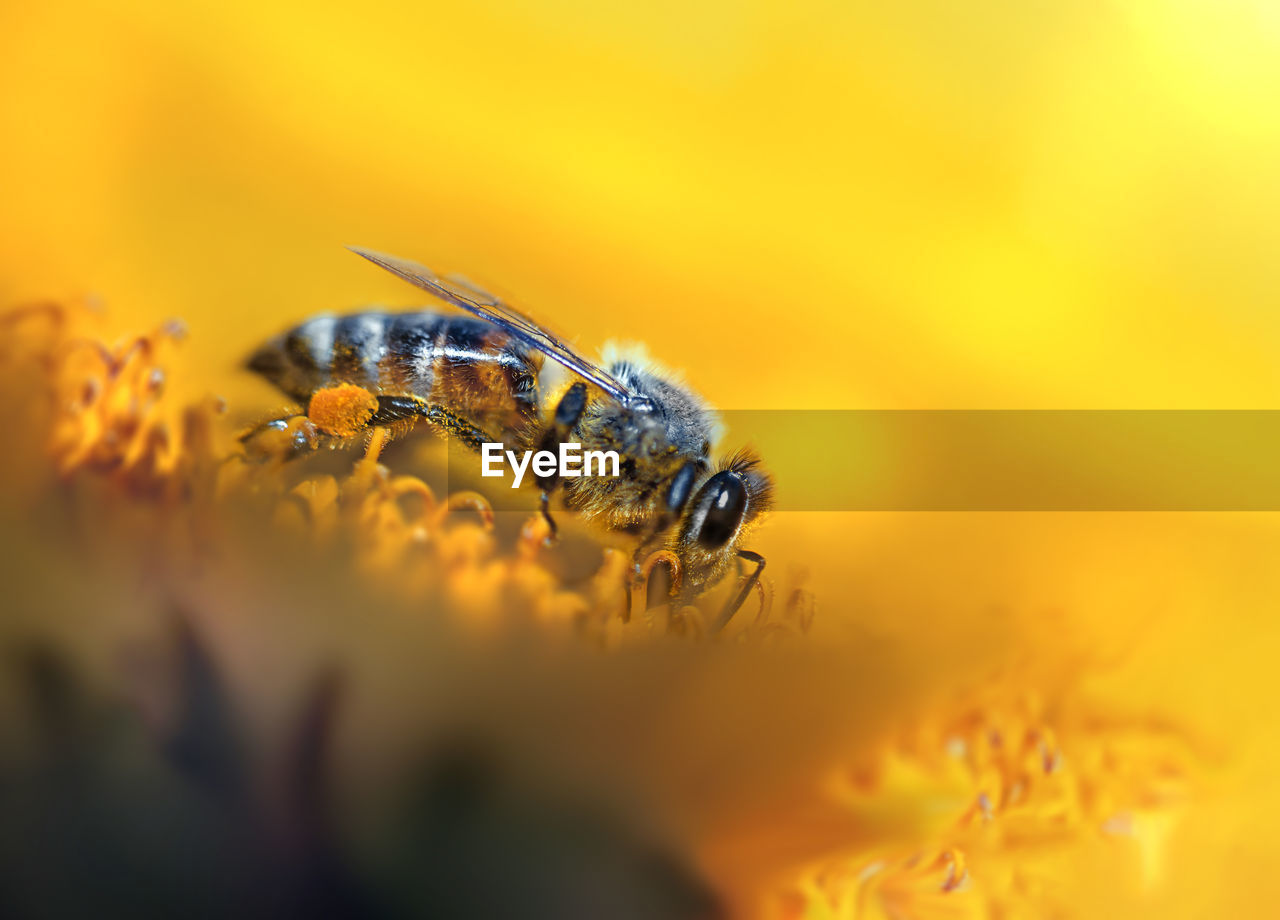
[714,517]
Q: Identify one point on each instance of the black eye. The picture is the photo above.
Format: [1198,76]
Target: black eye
[681,486]
[723,501]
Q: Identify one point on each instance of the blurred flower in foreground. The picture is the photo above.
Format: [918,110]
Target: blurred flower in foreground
[363,696]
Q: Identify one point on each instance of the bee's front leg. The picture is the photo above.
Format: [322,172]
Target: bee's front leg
[731,607]
[568,411]
[661,575]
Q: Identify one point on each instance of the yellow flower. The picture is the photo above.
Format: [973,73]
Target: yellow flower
[998,787]
[907,797]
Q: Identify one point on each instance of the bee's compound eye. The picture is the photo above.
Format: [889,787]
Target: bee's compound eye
[722,502]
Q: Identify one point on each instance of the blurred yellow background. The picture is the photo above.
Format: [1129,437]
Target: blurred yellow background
[987,206]
[802,204]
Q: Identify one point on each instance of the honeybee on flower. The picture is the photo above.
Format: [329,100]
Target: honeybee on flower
[481,379]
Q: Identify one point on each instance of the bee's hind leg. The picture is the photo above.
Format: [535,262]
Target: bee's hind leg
[282,438]
[294,433]
[731,607]
[393,417]
[395,411]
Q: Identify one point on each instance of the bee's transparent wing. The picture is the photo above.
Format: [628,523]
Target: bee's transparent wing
[462,293]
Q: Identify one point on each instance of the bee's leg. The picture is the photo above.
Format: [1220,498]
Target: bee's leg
[740,598]
[393,409]
[661,575]
[568,411]
[454,426]
[393,417]
[294,433]
[272,424]
[658,586]
[282,438]
[544,506]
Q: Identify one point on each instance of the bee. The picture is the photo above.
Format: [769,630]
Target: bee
[482,377]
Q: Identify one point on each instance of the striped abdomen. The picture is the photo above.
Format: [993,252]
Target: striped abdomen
[463,364]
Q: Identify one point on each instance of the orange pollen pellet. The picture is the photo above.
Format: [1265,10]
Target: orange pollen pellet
[342,410]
